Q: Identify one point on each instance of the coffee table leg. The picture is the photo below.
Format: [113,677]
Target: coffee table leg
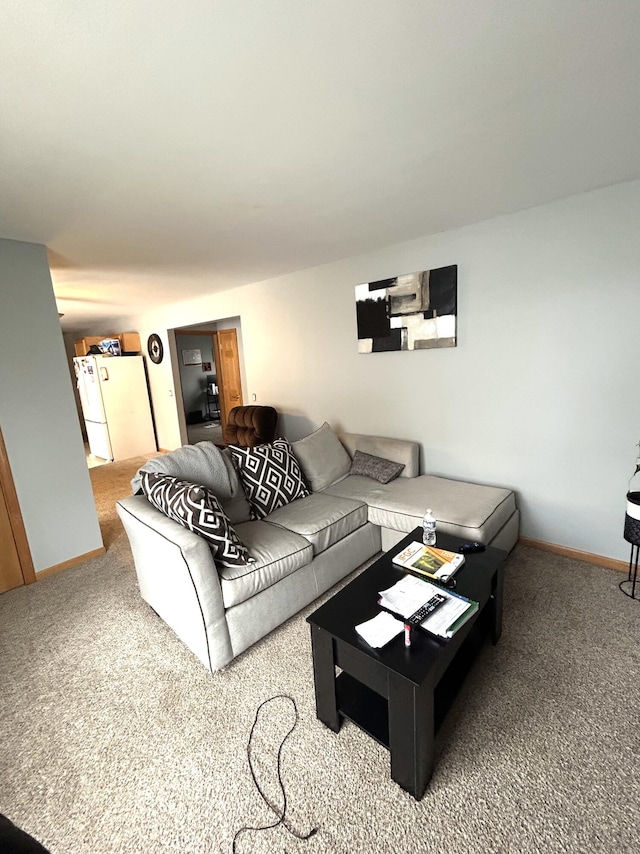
[411,734]
[324,676]
[496,603]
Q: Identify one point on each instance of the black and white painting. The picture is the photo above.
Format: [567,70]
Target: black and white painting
[417,311]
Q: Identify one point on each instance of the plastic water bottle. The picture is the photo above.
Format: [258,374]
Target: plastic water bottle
[429,529]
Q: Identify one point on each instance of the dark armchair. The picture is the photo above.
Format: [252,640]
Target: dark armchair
[249,426]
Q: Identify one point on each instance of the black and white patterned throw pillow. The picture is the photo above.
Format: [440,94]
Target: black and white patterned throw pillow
[196,508]
[270,476]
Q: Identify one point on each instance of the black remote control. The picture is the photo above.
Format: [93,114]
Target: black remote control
[428,608]
[469,548]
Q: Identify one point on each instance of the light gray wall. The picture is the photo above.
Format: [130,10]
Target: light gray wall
[38,414]
[540,394]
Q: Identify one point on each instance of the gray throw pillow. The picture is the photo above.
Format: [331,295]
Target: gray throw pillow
[377,468]
[322,457]
[270,476]
[196,508]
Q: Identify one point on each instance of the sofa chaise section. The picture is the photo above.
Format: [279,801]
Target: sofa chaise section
[471,511]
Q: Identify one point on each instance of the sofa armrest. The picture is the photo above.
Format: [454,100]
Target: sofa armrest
[398,450]
[178,578]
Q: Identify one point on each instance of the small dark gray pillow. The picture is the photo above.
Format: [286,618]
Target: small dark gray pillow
[377,468]
[196,508]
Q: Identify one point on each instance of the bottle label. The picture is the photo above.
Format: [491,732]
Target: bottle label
[429,534]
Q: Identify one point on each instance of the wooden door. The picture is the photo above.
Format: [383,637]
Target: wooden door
[16,566]
[10,569]
[227,371]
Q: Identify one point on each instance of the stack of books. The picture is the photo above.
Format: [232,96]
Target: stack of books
[410,593]
[436,564]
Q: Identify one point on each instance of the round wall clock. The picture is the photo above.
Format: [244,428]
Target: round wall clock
[155,349]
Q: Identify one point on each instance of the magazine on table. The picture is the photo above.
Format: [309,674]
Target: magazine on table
[437,564]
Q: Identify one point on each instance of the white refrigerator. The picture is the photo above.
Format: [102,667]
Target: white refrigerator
[115,404]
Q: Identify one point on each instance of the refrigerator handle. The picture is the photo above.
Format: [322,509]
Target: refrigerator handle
[104,374]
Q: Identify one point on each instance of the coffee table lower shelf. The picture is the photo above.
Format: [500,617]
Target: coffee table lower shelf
[370,711]
[363,707]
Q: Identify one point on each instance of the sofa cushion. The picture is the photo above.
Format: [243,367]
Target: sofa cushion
[358,488]
[377,468]
[277,553]
[322,458]
[321,519]
[467,510]
[270,476]
[195,507]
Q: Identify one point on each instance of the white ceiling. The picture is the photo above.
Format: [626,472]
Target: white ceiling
[164,150]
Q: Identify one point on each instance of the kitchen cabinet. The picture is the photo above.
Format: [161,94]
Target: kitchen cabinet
[82,345]
[129,342]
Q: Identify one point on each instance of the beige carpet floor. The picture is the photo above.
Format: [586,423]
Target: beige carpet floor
[110,482]
[115,739]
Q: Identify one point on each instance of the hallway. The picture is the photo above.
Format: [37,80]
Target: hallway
[205,432]
[210,431]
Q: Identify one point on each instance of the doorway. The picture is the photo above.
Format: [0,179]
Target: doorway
[210,374]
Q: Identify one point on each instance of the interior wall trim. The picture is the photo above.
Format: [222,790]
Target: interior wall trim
[15,516]
[59,567]
[587,557]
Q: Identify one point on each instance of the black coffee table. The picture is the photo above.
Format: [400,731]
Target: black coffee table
[397,694]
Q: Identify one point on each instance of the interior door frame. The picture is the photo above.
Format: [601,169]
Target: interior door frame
[15,516]
[196,329]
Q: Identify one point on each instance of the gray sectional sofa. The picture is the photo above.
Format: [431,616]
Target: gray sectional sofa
[300,550]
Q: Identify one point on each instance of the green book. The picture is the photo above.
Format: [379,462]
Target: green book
[462,619]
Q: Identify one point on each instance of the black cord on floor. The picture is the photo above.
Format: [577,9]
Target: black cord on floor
[280,813]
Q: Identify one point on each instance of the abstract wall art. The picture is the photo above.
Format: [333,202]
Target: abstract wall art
[417,311]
